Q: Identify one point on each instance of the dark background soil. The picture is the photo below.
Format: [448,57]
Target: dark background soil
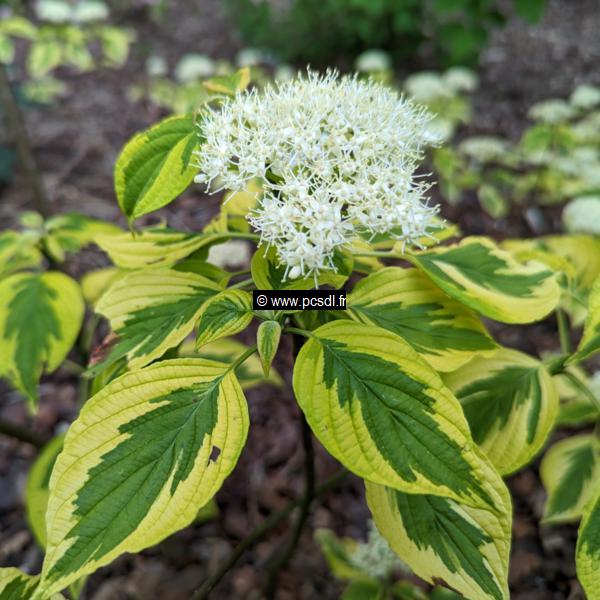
[76,142]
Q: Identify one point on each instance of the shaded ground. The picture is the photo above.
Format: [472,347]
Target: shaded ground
[76,143]
[525,64]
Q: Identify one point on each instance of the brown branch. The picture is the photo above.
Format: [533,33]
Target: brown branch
[20,433]
[20,138]
[283,556]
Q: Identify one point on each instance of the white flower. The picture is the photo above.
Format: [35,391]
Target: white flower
[427,87]
[376,558]
[55,11]
[373,61]
[336,158]
[551,111]
[88,11]
[251,57]
[586,96]
[484,148]
[461,79]
[156,66]
[62,11]
[284,72]
[193,67]
[440,129]
[582,215]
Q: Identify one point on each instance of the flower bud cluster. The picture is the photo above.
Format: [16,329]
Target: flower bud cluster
[336,158]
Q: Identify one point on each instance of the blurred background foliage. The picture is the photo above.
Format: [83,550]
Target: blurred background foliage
[555,160]
[51,34]
[323,31]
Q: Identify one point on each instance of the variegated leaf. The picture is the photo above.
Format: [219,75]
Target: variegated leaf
[587,556]
[45,54]
[70,232]
[153,248]
[201,267]
[438,231]
[146,453]
[569,472]
[385,414]
[36,499]
[364,264]
[236,206]
[590,341]
[18,26]
[151,311]
[229,85]
[582,251]
[155,166]
[36,491]
[443,331]
[18,251]
[225,314]
[533,249]
[267,341]
[95,283]
[40,317]
[489,280]
[115,44]
[445,542]
[16,585]
[577,256]
[510,402]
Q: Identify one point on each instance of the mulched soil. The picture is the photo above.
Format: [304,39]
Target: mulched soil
[76,143]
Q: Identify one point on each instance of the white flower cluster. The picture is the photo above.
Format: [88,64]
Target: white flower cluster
[552,111]
[376,558]
[335,157]
[582,215]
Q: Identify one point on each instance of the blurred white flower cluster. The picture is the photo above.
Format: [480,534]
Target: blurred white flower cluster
[336,158]
[63,11]
[582,215]
[376,558]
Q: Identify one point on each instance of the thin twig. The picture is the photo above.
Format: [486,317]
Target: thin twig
[241,284]
[20,137]
[20,433]
[563,331]
[258,533]
[583,388]
[253,237]
[377,254]
[281,558]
